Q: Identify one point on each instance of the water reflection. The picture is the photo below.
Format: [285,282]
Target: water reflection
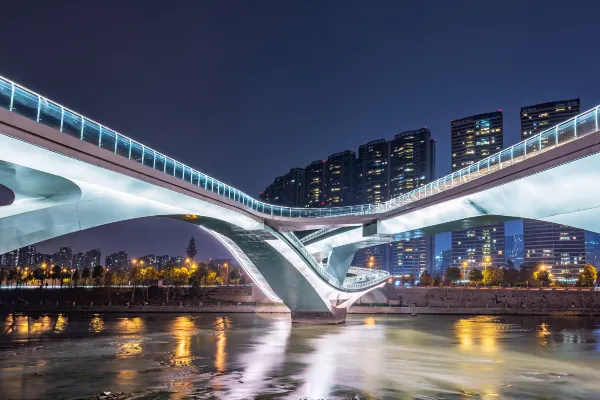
[96,323]
[253,356]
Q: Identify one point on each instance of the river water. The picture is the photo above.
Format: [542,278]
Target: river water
[236,356]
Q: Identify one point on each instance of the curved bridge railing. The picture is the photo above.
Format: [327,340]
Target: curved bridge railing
[27,103]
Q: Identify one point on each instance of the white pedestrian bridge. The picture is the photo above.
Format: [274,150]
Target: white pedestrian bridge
[61,172]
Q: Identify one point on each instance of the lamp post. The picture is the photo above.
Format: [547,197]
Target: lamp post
[227,272]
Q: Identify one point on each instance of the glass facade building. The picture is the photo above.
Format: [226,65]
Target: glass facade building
[561,248]
[412,256]
[473,139]
[545,242]
[515,249]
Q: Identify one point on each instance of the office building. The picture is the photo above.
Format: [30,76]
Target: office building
[375,257]
[514,249]
[315,184]
[373,172]
[412,256]
[472,139]
[340,179]
[412,161]
[545,242]
[592,248]
[117,261]
[443,261]
[93,258]
[539,117]
[561,248]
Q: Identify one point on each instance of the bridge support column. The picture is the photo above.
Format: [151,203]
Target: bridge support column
[338,316]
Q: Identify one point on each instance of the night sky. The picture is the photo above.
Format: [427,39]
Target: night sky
[245,90]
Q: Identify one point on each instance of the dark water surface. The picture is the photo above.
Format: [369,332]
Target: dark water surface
[235,356]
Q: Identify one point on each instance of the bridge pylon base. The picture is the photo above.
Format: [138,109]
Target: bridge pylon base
[338,316]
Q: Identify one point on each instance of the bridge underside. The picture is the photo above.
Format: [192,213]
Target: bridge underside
[46,206]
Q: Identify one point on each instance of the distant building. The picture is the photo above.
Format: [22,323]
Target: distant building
[315,184]
[375,257]
[63,257]
[26,257]
[43,259]
[162,262]
[373,172]
[9,260]
[561,248]
[539,117]
[412,161]
[472,139]
[79,261]
[545,242]
[149,260]
[288,190]
[117,261]
[514,249]
[412,256]
[340,179]
[93,258]
[592,248]
[443,261]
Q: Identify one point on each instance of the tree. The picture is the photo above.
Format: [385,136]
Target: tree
[135,276]
[588,276]
[39,275]
[98,274]
[425,279]
[3,274]
[109,280]
[235,275]
[191,250]
[12,276]
[543,277]
[511,276]
[56,270]
[526,272]
[475,275]
[493,276]
[85,275]
[509,264]
[453,274]
[76,277]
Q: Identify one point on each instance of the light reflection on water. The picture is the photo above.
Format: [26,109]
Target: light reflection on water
[256,356]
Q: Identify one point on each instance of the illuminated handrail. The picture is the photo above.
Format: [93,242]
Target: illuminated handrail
[25,102]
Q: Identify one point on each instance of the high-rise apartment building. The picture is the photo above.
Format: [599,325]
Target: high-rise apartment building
[472,139]
[43,259]
[26,257]
[79,262]
[117,261]
[315,184]
[92,258]
[562,248]
[375,257]
[287,190]
[412,161]
[63,257]
[373,172]
[340,179]
[9,260]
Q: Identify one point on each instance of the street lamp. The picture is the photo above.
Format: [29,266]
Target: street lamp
[465,265]
[227,272]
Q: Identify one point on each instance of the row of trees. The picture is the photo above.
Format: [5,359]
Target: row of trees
[527,275]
